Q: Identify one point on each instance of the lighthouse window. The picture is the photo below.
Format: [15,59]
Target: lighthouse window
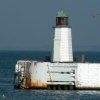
[65,21]
[68,72]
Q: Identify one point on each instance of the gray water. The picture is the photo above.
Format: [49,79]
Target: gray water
[7,92]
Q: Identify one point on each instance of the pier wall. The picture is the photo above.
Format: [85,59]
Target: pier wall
[40,75]
[88,76]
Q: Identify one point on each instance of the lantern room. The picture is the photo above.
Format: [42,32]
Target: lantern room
[61,18]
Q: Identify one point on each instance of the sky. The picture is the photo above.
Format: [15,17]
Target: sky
[27,24]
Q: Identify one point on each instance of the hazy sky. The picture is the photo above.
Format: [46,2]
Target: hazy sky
[27,24]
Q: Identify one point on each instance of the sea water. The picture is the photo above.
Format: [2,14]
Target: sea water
[8,60]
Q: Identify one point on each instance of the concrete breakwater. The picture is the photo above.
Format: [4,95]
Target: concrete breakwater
[47,75]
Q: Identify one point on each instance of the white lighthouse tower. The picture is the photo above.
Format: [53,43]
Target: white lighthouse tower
[62,42]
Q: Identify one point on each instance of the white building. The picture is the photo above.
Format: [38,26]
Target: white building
[62,42]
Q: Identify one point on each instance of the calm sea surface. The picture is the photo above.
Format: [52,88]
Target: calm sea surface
[8,60]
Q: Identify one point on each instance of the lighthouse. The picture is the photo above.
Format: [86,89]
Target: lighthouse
[62,40]
[62,73]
